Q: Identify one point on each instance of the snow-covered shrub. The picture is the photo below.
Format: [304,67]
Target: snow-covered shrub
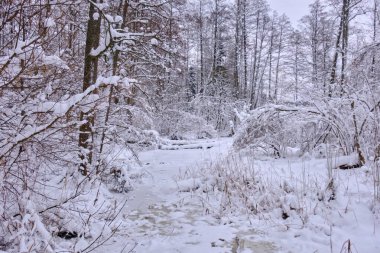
[236,185]
[178,125]
[217,111]
[138,117]
[270,132]
[117,180]
[133,138]
[294,131]
[54,203]
[131,126]
[43,196]
[120,168]
[324,150]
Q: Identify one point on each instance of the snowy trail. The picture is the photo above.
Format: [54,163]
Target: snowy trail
[162,166]
[158,219]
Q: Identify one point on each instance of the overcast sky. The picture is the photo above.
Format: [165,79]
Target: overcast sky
[294,9]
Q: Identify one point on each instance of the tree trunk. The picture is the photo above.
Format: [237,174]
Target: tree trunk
[344,49]
[255,52]
[335,58]
[270,61]
[89,78]
[215,50]
[278,63]
[236,53]
[374,40]
[258,81]
[245,55]
[201,46]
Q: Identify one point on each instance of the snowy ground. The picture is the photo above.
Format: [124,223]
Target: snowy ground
[160,219]
[177,206]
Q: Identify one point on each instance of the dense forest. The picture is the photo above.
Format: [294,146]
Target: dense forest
[82,81]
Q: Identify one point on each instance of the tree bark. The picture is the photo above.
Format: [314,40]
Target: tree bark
[89,78]
[245,55]
[237,50]
[279,51]
[201,46]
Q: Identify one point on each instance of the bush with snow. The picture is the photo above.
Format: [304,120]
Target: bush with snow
[217,111]
[291,130]
[180,125]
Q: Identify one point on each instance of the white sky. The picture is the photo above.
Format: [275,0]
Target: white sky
[294,9]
